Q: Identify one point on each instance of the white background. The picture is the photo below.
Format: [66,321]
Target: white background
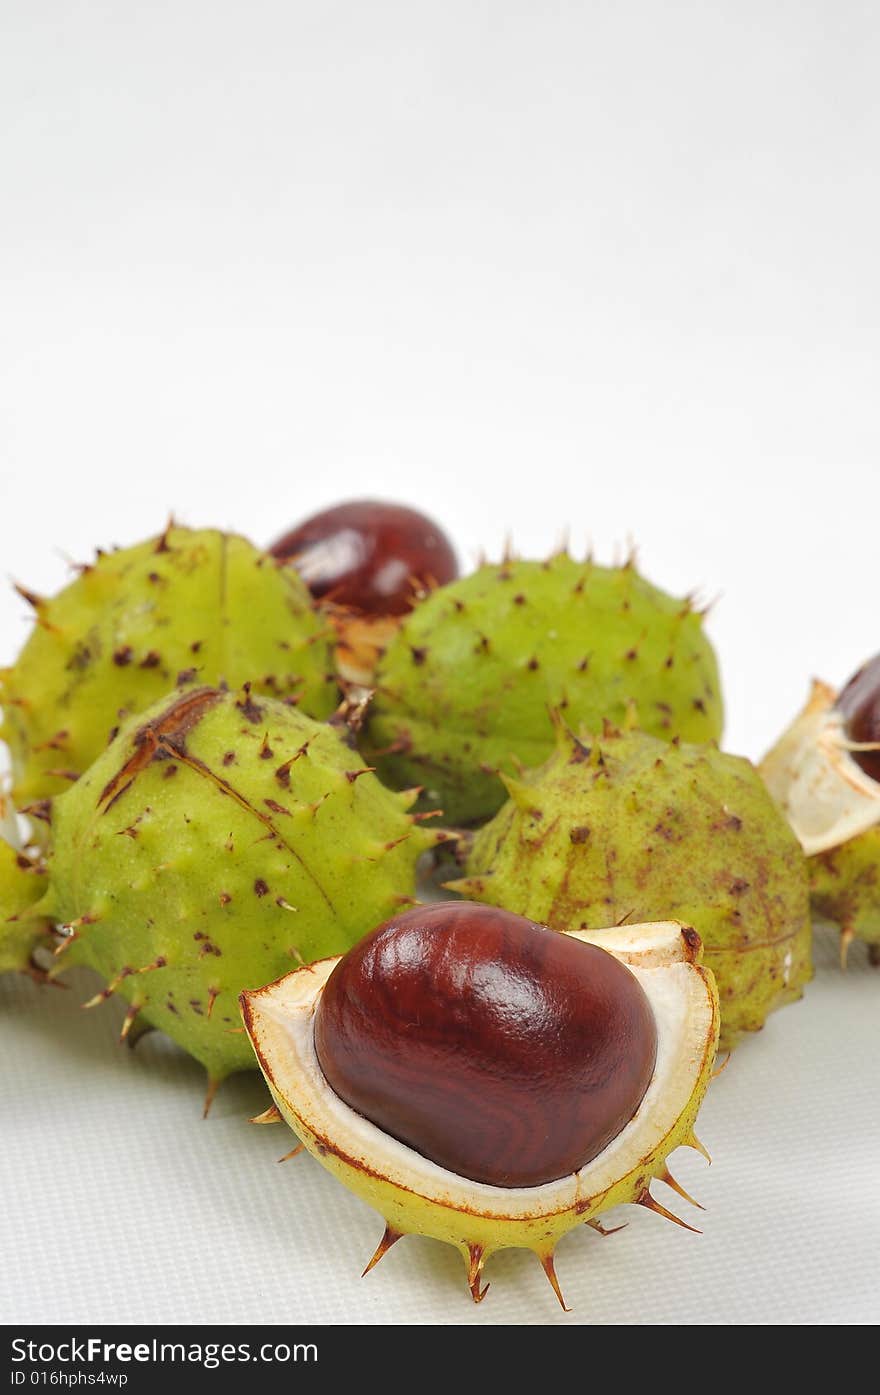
[604,267]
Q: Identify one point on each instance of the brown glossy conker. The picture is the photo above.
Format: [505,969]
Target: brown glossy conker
[859,703]
[371,556]
[505,1052]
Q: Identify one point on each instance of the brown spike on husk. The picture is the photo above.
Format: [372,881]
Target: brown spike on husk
[604,1230]
[693,1142]
[667,1177]
[272,1115]
[35,601]
[352,711]
[294,1153]
[389,1238]
[476,1255]
[160,962]
[650,1204]
[214,1083]
[550,1270]
[129,1021]
[352,775]
[140,1028]
[99,998]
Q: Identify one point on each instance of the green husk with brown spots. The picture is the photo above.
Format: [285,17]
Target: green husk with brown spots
[218,842]
[185,608]
[625,827]
[845,887]
[464,687]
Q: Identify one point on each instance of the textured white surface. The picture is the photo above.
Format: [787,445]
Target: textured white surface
[611,267]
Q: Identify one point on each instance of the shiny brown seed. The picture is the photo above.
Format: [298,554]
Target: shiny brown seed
[505,1052]
[369,555]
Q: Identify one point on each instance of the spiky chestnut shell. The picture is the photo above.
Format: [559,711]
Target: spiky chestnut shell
[628,826]
[187,607]
[821,773]
[216,841]
[845,890]
[501,1050]
[464,687]
[22,885]
[415,1195]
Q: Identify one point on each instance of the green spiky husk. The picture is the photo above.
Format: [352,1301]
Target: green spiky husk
[188,607]
[22,885]
[464,687]
[630,828]
[214,845]
[845,887]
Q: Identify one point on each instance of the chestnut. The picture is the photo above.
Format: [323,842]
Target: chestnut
[505,1052]
[859,704]
[370,556]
